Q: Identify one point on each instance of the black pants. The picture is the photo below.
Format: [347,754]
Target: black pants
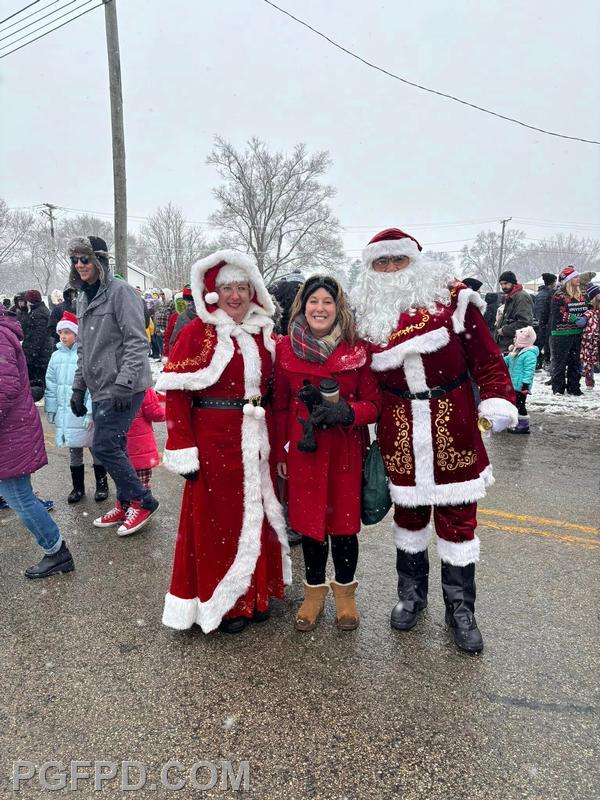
[344,551]
[521,400]
[565,358]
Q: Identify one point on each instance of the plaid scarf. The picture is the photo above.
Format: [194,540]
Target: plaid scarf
[309,347]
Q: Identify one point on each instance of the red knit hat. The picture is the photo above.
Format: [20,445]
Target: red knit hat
[68,322]
[186,291]
[567,274]
[391,242]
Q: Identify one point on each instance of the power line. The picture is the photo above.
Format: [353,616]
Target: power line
[2,21]
[426,88]
[33,13]
[35,21]
[45,25]
[62,25]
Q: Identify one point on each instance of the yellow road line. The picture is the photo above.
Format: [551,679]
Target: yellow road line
[538,520]
[548,534]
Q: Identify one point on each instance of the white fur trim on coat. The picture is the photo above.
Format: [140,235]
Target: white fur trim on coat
[442,494]
[459,554]
[411,541]
[428,342]
[234,258]
[182,461]
[495,407]
[259,500]
[466,296]
[390,247]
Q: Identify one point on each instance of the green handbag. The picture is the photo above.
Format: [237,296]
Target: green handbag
[376,500]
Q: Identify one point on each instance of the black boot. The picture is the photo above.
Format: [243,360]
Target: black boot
[234,625]
[458,586]
[78,484]
[101,483]
[51,565]
[413,581]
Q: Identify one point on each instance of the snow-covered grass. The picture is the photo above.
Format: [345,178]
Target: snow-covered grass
[542,399]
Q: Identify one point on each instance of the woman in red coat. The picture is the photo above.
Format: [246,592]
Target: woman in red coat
[324,484]
[231,552]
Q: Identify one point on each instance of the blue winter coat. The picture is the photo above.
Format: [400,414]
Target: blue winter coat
[71,431]
[522,366]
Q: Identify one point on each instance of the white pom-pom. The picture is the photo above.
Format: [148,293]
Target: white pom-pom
[248,409]
[259,412]
[211,298]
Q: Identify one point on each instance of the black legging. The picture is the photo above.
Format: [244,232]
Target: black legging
[521,400]
[344,551]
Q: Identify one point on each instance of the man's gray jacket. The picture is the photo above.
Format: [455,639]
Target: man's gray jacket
[113,347]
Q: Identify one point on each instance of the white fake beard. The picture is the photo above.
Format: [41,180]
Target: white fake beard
[379,298]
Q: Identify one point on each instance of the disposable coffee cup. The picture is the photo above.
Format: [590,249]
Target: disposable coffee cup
[330,390]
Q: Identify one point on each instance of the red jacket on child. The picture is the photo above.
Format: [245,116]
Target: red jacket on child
[141,443]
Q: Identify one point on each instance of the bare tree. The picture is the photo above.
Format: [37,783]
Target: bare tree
[559,251]
[14,229]
[274,206]
[481,260]
[43,258]
[172,245]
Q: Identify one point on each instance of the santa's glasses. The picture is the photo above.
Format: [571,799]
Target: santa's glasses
[384,261]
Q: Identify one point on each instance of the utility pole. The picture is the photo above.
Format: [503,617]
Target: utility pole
[50,214]
[118,136]
[503,221]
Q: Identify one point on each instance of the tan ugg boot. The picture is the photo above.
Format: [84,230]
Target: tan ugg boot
[312,606]
[346,613]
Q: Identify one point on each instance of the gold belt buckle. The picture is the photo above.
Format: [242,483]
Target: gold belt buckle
[255,400]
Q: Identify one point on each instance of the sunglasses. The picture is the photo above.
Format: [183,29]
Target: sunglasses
[84,260]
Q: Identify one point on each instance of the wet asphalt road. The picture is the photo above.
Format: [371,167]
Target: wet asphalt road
[89,672]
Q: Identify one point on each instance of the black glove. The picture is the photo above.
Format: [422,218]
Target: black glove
[121,397]
[77,405]
[328,414]
[191,476]
[308,443]
[309,395]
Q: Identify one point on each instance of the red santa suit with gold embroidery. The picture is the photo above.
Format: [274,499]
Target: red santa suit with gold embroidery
[231,551]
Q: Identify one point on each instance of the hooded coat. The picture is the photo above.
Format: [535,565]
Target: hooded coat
[113,347]
[22,448]
[38,344]
[231,552]
[71,431]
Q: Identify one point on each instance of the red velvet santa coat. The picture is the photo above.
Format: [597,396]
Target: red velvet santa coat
[324,487]
[432,449]
[231,553]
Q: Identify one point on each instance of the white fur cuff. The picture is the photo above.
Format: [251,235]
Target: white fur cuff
[182,461]
[459,554]
[411,541]
[495,407]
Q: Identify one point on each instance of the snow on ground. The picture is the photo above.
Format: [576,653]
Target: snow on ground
[542,399]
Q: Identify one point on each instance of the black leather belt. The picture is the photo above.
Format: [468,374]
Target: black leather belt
[429,394]
[229,403]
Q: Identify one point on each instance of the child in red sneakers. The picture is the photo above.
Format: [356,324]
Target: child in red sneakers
[141,443]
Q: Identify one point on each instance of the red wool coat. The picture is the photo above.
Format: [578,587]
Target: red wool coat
[141,443]
[231,552]
[432,448]
[324,487]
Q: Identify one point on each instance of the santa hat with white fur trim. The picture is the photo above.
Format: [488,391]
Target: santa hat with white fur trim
[567,274]
[68,322]
[390,242]
[222,267]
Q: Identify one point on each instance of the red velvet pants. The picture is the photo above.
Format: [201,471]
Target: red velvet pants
[452,523]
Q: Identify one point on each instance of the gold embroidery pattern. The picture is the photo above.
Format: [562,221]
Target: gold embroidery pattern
[410,328]
[195,361]
[401,461]
[448,457]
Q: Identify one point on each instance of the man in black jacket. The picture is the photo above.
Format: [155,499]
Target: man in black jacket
[68,304]
[541,306]
[516,313]
[38,345]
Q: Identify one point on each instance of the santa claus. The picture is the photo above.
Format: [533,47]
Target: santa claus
[428,340]
[231,553]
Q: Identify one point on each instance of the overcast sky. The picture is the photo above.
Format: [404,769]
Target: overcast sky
[401,157]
